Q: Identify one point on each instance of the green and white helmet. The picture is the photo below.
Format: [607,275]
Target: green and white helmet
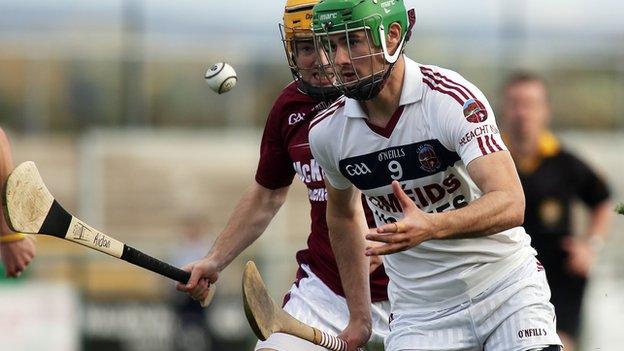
[332,17]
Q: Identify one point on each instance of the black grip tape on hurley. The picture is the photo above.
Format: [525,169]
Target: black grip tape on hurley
[140,259]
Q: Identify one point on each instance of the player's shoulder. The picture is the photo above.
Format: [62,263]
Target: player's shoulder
[291,95]
[568,160]
[291,102]
[329,115]
[450,97]
[326,125]
[443,85]
[441,76]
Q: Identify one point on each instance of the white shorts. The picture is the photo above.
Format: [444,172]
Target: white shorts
[513,314]
[313,303]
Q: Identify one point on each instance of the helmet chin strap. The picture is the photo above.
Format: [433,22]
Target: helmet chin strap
[390,58]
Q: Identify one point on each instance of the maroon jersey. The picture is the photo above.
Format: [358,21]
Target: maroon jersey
[284,152]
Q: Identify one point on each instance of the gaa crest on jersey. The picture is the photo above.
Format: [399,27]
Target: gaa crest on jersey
[428,159]
[475,111]
[296,118]
[358,169]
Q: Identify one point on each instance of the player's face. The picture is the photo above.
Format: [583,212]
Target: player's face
[526,109]
[353,55]
[308,65]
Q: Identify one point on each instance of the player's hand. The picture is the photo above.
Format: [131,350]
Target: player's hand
[203,273]
[581,256]
[16,255]
[414,228]
[356,334]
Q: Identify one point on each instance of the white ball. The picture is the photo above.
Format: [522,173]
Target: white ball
[221,77]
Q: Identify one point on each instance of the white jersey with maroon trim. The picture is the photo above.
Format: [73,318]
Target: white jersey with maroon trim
[442,124]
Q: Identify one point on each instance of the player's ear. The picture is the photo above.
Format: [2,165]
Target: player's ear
[393,37]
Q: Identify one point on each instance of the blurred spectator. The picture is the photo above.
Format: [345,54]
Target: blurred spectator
[553,179]
[219,326]
[16,249]
[191,332]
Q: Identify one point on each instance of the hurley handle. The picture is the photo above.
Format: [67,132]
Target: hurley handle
[140,259]
[134,256]
[331,342]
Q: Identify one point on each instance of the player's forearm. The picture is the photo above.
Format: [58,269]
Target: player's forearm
[4,227]
[251,216]
[6,166]
[348,244]
[601,217]
[493,213]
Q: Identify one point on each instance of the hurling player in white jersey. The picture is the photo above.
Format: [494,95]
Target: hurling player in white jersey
[316,297]
[422,144]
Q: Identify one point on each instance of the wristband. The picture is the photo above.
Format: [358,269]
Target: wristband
[12,237]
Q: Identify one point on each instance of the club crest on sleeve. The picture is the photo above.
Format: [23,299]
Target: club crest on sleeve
[428,159]
[475,111]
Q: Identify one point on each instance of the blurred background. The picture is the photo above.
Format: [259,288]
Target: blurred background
[109,99]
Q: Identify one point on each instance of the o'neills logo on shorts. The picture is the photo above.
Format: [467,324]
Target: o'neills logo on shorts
[533,332]
[475,111]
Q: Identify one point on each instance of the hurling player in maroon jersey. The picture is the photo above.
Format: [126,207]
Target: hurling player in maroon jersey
[317,296]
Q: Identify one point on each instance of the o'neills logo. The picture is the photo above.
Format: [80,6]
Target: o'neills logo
[475,111]
[390,154]
[533,332]
[428,159]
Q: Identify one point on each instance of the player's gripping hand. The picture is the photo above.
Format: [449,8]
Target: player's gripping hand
[16,255]
[356,334]
[414,228]
[204,272]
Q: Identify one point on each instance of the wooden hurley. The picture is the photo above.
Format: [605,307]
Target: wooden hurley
[30,208]
[266,317]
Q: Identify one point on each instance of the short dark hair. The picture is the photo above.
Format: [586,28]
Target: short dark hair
[520,77]
[523,77]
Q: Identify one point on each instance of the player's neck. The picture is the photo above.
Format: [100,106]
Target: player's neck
[382,107]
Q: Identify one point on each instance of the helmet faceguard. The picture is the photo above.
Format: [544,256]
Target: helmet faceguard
[359,28]
[298,40]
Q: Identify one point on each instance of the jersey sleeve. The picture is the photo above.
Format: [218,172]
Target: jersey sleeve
[591,188]
[323,152]
[464,120]
[275,169]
